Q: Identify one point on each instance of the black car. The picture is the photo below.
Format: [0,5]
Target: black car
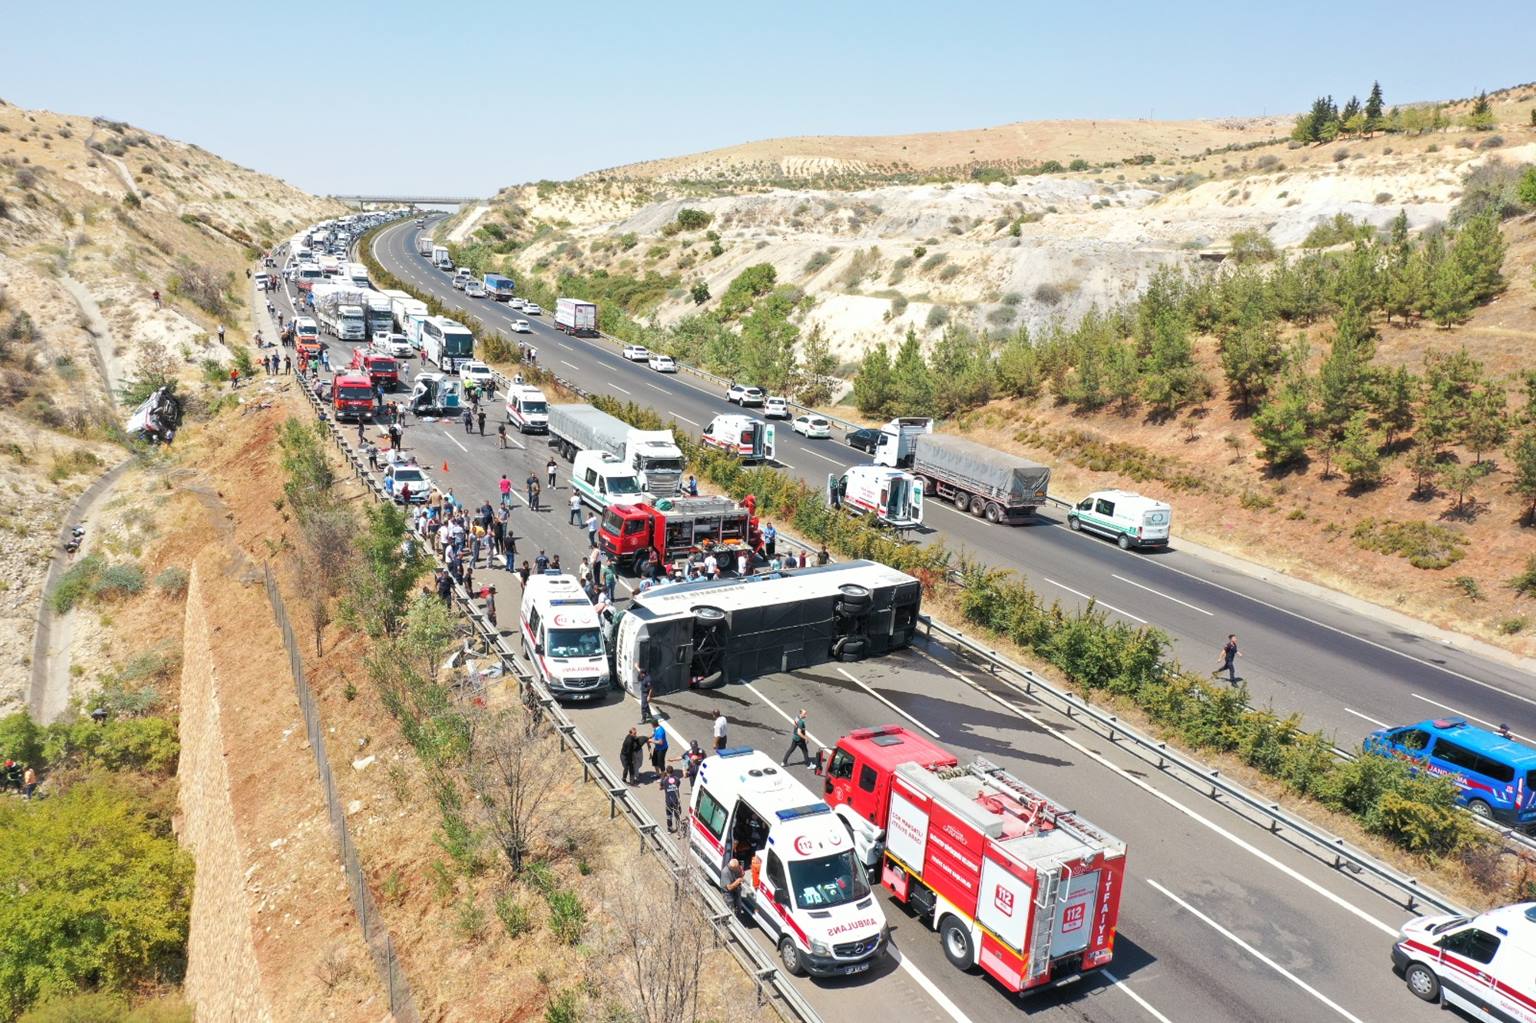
[864,440]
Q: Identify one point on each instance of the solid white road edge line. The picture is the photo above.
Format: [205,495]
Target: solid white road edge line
[1133,996]
[1260,956]
[888,703]
[1148,788]
[1096,600]
[1464,714]
[1160,593]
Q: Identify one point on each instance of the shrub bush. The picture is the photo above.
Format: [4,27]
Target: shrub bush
[76,582]
[120,580]
[172,581]
[1424,544]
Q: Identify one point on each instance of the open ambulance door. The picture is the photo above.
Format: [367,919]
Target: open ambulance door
[768,445]
[917,501]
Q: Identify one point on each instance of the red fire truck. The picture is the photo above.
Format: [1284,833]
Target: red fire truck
[677,527]
[381,369]
[352,396]
[1013,882]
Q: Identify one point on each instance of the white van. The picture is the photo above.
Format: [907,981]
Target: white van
[562,639]
[527,409]
[808,893]
[1124,516]
[1483,965]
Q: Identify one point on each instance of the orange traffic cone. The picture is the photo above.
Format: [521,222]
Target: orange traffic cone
[445,465]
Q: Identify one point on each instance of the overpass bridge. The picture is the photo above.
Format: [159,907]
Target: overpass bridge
[407,200]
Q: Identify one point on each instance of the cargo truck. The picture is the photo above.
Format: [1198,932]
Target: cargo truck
[652,454]
[575,317]
[340,310]
[712,632]
[440,257]
[984,481]
[424,245]
[499,288]
[1012,881]
[675,528]
[898,440]
[381,317]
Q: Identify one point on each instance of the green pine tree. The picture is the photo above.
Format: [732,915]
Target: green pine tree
[1252,357]
[1525,191]
[817,371]
[1373,107]
[1522,457]
[1281,426]
[1481,117]
[874,386]
[1487,419]
[914,382]
[1424,463]
[1393,400]
[1018,367]
[1450,293]
[1479,251]
[1360,453]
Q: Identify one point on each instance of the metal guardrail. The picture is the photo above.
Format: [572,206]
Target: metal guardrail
[375,932]
[1205,779]
[772,985]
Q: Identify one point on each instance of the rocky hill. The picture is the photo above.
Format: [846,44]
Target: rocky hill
[95,216]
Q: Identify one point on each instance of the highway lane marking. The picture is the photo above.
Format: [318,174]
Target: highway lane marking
[808,734]
[784,465]
[455,440]
[685,419]
[1260,956]
[1366,717]
[1096,600]
[949,1007]
[1350,635]
[572,365]
[824,458]
[1133,996]
[1160,593]
[888,703]
[1151,790]
[616,387]
[1462,713]
[655,387]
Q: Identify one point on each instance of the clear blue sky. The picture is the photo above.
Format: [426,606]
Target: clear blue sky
[466,97]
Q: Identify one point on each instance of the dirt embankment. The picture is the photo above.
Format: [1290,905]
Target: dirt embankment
[272,936]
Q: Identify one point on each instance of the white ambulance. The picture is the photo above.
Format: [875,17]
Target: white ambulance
[527,408]
[749,439]
[1484,965]
[807,890]
[893,496]
[563,638]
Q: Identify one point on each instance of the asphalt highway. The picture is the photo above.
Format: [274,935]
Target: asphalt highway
[1344,672]
[1220,920]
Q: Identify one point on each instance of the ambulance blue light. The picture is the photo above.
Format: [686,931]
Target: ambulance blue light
[734,751]
[796,812]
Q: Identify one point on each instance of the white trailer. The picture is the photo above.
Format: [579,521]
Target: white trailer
[424,245]
[440,257]
[575,317]
[652,454]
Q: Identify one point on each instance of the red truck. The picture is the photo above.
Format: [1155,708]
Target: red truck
[1013,882]
[352,396]
[677,527]
[381,369]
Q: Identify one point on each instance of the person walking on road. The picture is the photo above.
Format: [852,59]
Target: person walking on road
[469,421]
[720,726]
[501,431]
[480,418]
[505,485]
[629,756]
[1229,655]
[672,792]
[550,469]
[575,516]
[645,690]
[530,483]
[610,581]
[592,530]
[797,738]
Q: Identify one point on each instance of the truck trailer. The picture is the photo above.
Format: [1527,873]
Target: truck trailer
[1013,882]
[984,481]
[499,288]
[652,454]
[708,633]
[424,245]
[575,317]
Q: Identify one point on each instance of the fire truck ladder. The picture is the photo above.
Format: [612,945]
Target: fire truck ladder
[1042,808]
[1045,921]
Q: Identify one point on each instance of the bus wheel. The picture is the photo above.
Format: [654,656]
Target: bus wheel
[957,945]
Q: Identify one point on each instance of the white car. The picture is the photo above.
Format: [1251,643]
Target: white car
[474,289]
[813,427]
[532,309]
[516,303]
[776,407]
[477,373]
[520,327]
[744,395]
[459,282]
[395,345]
[637,353]
[662,363]
[411,476]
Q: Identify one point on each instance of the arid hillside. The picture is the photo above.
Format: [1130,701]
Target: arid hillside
[95,216]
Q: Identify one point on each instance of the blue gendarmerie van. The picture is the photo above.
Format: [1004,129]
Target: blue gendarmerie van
[1496,775]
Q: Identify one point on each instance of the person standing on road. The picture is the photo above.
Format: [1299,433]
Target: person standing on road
[480,418]
[592,530]
[645,690]
[720,726]
[629,756]
[659,748]
[505,486]
[822,557]
[797,738]
[694,757]
[501,431]
[770,541]
[490,606]
[1229,655]
[672,792]
[735,880]
[610,581]
[575,517]
[542,561]
[530,483]
[550,469]
[533,502]
[469,421]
